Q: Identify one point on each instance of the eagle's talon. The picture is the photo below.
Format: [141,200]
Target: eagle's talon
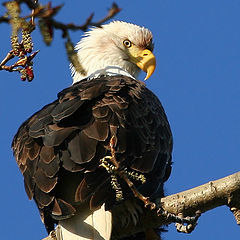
[148,203]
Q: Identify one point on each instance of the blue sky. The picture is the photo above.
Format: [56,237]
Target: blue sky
[197,45]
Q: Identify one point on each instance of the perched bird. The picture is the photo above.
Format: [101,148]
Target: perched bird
[75,150]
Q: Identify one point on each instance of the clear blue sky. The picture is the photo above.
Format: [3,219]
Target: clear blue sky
[197,45]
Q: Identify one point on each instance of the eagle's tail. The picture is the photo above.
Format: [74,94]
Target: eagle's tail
[96,225]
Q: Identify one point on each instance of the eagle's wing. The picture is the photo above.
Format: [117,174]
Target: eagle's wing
[58,149]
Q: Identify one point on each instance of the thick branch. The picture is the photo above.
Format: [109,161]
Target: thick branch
[225,191]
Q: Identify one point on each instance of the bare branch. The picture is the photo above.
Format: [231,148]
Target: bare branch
[9,56]
[65,27]
[4,19]
[32,4]
[111,13]
[225,191]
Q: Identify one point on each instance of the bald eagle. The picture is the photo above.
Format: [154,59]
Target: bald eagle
[59,149]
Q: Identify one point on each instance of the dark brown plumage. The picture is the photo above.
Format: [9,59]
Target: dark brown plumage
[58,149]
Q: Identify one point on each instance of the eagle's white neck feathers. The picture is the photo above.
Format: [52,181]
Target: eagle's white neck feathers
[101,50]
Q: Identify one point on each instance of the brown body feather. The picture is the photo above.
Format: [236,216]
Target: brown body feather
[58,149]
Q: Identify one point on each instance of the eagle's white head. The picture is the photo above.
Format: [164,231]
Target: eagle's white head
[115,48]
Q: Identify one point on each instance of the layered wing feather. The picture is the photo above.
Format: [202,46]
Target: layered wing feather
[58,149]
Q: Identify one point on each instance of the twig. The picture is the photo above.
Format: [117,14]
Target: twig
[33,12]
[30,3]
[8,57]
[111,13]
[4,19]
[47,24]
[65,27]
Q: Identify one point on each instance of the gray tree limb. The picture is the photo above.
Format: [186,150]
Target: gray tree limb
[224,191]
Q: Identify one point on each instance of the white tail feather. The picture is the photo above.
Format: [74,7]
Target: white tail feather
[95,225]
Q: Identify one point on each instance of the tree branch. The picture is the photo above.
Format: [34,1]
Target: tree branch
[225,191]
[4,19]
[30,3]
[47,24]
[64,27]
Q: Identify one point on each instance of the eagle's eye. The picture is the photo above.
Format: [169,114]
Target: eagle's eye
[127,43]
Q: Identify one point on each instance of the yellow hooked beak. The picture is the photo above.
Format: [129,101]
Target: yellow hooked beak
[144,59]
